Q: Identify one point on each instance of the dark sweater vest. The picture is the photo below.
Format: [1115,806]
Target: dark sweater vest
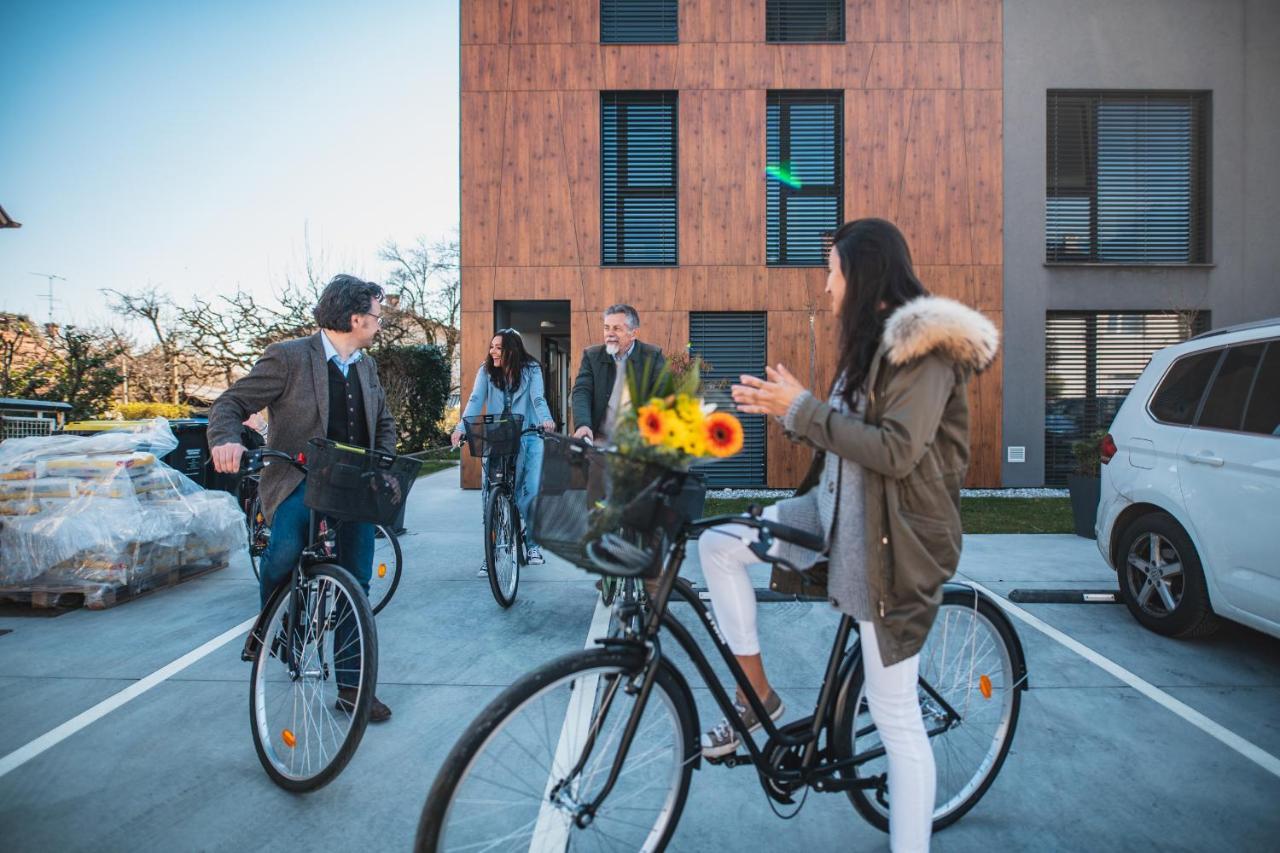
[347,422]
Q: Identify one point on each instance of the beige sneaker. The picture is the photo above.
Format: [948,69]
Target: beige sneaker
[723,739]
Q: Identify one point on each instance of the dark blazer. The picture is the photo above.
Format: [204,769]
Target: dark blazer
[596,374]
[291,381]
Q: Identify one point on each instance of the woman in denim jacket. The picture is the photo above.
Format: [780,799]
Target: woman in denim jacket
[510,380]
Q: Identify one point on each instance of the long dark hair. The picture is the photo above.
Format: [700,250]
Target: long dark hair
[879,279]
[514,358]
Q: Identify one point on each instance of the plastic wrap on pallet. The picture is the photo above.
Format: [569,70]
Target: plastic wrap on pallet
[81,512]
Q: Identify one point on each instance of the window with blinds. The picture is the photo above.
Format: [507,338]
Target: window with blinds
[1091,361]
[638,178]
[1127,176]
[804,20]
[639,21]
[804,180]
[732,344]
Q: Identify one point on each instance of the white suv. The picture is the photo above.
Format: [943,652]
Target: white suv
[1190,509]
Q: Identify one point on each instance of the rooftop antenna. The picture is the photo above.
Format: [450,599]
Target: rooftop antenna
[49,297]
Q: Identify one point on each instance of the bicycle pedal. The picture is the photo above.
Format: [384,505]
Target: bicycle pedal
[733,760]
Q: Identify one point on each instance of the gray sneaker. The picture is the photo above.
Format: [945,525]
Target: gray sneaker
[484,570]
[534,555]
[723,739]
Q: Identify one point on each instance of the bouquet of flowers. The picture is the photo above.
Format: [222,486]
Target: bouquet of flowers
[667,427]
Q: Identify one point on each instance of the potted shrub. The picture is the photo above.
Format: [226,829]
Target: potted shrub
[1085,483]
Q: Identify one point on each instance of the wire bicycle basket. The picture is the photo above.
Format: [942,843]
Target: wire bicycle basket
[357,484]
[493,435]
[608,513]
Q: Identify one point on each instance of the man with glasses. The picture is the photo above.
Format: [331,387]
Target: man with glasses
[322,386]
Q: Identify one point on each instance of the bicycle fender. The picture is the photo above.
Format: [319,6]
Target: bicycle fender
[998,614]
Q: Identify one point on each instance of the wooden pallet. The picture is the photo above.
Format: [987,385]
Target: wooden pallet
[100,596]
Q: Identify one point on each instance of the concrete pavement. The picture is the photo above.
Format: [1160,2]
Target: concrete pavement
[1095,764]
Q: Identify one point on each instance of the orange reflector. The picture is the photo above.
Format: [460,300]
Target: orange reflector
[984,684]
[382,570]
[288,738]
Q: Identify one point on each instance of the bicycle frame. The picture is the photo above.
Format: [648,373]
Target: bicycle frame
[802,733]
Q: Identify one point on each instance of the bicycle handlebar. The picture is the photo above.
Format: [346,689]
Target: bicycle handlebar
[254,461]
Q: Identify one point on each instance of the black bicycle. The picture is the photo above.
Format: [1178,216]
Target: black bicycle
[388,558]
[497,438]
[596,749]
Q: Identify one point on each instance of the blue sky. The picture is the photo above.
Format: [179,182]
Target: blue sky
[192,144]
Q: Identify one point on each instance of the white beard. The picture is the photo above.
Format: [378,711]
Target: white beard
[612,349]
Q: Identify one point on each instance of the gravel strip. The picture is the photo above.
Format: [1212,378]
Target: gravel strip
[721,494]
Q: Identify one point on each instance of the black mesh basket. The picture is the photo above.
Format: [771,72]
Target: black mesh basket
[607,513]
[494,435]
[354,484]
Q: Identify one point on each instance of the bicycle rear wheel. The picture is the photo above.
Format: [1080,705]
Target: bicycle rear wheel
[388,562]
[320,636]
[969,660]
[502,546]
[504,784]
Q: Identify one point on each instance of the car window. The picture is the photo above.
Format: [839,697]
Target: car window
[1178,396]
[1224,407]
[1264,405]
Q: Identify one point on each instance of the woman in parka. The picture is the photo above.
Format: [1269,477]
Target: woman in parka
[892,442]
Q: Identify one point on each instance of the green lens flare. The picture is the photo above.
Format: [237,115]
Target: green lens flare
[782,174]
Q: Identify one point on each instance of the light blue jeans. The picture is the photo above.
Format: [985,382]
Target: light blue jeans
[528,475]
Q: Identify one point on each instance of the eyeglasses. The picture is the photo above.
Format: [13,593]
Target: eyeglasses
[377,317]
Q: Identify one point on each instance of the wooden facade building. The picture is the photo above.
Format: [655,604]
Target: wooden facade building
[921,83]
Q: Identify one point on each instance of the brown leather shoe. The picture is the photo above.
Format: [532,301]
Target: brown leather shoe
[378,712]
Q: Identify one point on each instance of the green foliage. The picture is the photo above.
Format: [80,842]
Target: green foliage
[147,411]
[1088,455]
[977,515]
[416,379]
[83,372]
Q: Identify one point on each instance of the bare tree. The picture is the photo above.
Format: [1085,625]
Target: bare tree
[424,293]
[163,370]
[22,361]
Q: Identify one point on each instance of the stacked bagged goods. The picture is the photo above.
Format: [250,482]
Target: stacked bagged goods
[101,514]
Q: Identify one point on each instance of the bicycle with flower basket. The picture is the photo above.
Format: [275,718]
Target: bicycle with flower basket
[596,749]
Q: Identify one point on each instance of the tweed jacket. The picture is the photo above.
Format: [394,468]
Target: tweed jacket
[912,442]
[596,374]
[291,381]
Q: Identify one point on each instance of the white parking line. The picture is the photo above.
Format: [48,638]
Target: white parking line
[1218,732]
[23,754]
[552,830]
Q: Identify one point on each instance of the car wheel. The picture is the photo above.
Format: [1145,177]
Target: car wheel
[1161,579]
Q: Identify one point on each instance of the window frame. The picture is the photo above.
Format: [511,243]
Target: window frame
[675,37]
[1200,197]
[642,97]
[1223,351]
[772,10]
[788,98]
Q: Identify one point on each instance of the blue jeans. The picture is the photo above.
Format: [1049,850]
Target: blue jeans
[355,554]
[528,476]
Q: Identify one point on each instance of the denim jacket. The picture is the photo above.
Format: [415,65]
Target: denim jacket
[529,399]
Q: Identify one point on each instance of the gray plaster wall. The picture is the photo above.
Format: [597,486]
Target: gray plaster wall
[1229,47]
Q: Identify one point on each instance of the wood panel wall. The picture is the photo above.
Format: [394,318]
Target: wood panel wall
[922,84]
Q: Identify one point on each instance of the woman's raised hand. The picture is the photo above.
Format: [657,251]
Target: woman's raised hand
[772,395]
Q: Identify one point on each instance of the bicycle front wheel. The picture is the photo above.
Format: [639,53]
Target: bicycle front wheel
[313,679]
[508,782]
[969,661]
[388,562]
[502,546]
[259,534]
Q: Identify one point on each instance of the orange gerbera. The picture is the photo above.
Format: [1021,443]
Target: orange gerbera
[723,433]
[649,421]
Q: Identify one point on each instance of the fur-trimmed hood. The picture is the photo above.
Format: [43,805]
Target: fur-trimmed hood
[936,323]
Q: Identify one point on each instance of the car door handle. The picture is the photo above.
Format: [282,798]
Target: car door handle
[1204,457]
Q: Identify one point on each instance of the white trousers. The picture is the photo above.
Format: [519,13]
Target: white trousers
[891,690]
